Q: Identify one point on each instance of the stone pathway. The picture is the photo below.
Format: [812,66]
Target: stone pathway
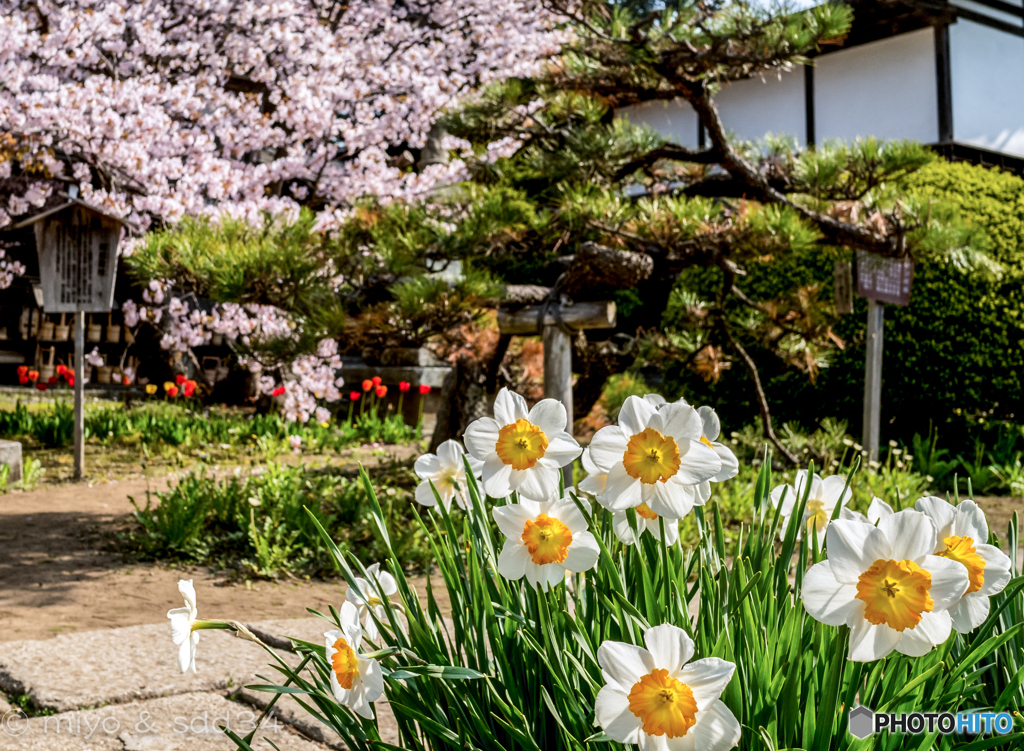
[120,690]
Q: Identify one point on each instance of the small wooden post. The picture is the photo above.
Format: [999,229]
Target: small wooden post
[873,379]
[553,322]
[558,377]
[79,394]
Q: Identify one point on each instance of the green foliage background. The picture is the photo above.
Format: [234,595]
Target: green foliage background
[954,358]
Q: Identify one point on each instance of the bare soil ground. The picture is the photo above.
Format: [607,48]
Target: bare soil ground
[57,574]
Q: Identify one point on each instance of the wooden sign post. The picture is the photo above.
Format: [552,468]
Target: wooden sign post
[77,246]
[880,280]
[556,323]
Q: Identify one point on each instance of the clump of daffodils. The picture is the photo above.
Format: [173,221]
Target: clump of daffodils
[574,622]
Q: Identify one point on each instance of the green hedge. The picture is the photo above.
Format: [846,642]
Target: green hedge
[955,352]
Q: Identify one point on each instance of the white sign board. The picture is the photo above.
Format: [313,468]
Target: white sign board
[77,259]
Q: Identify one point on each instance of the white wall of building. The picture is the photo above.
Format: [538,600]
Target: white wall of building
[885,89]
[775,104]
[675,120]
[987,71]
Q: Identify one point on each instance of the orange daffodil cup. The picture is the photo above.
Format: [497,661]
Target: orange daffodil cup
[887,585]
[657,699]
[655,459]
[522,449]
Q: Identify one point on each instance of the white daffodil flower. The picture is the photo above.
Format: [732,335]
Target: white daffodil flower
[654,456]
[182,620]
[646,520]
[365,598]
[544,540]
[595,481]
[825,495]
[652,698]
[356,681]
[963,531]
[885,584]
[522,449]
[711,428]
[446,470]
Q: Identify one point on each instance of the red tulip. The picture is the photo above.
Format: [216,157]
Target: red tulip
[354,395]
[52,380]
[61,370]
[126,380]
[33,375]
[424,388]
[404,386]
[179,379]
[382,391]
[190,388]
[41,386]
[172,391]
[376,380]
[278,391]
[22,380]
[367,385]
[22,371]
[71,379]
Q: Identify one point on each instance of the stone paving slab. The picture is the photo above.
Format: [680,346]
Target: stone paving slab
[4,707]
[76,671]
[186,722]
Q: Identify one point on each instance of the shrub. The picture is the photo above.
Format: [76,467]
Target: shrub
[258,524]
[957,351]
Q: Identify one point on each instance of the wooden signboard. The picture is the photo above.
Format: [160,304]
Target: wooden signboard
[77,259]
[885,280]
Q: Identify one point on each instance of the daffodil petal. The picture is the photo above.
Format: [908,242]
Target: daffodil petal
[624,664]
[949,581]
[550,416]
[716,729]
[427,465]
[607,447]
[583,553]
[425,494]
[828,601]
[933,628]
[997,569]
[697,462]
[853,547]
[680,421]
[594,484]
[562,449]
[878,510]
[539,483]
[449,454]
[513,560]
[509,407]
[497,477]
[707,679]
[938,511]
[481,437]
[621,490]
[566,511]
[611,714]
[970,612]
[670,646]
[635,415]
[711,426]
[910,534]
[970,522]
[869,642]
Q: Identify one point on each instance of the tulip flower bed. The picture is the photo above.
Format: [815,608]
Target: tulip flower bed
[574,624]
[193,429]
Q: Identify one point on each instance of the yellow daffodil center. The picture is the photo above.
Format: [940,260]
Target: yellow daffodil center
[895,593]
[644,511]
[664,705]
[962,550]
[651,457]
[817,516]
[706,442]
[345,664]
[547,540]
[521,444]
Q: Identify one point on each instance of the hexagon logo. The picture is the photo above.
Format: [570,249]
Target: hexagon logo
[861,722]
